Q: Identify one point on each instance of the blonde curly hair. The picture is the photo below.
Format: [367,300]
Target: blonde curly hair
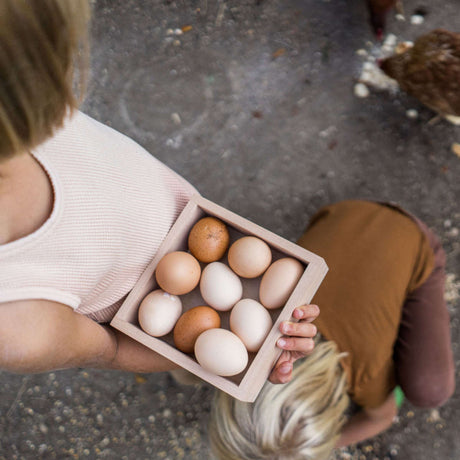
[300,420]
[42,43]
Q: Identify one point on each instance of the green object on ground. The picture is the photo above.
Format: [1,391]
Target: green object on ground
[399,396]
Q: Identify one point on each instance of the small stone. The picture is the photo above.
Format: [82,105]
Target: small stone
[368,66]
[361,90]
[409,414]
[177,121]
[400,17]
[43,428]
[390,40]
[328,131]
[362,52]
[447,224]
[412,113]
[178,32]
[105,442]
[30,445]
[453,232]
[151,418]
[417,19]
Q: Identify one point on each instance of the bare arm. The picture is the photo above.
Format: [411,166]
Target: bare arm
[38,336]
[368,422]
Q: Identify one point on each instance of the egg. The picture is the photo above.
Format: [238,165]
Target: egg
[178,273]
[279,281]
[208,240]
[158,312]
[220,351]
[249,256]
[220,287]
[191,324]
[251,322]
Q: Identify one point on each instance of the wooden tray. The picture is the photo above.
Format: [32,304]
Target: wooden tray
[246,385]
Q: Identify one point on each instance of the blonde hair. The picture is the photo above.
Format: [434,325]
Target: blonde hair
[300,420]
[42,43]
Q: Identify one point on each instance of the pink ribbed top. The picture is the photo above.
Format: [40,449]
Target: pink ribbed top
[113,205]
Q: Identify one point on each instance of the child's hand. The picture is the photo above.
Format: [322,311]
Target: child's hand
[296,343]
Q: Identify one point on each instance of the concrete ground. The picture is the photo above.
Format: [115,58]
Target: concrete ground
[253,102]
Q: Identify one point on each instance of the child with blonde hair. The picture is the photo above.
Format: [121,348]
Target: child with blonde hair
[384,326]
[83,209]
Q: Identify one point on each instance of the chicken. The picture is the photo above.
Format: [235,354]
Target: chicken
[430,71]
[378,10]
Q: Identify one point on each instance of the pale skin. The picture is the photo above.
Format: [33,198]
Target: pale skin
[32,332]
[40,335]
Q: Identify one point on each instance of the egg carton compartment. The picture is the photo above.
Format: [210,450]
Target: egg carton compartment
[246,385]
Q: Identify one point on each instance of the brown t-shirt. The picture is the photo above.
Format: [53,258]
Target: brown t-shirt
[376,256]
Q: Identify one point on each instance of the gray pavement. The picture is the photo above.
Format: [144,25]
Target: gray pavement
[254,104]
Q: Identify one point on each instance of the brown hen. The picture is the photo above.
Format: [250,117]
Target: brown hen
[430,71]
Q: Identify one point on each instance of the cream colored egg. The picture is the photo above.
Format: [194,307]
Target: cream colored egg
[279,281]
[221,352]
[249,256]
[158,312]
[220,287]
[251,322]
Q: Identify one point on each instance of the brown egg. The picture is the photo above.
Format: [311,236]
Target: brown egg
[279,281]
[191,324]
[208,240]
[178,273]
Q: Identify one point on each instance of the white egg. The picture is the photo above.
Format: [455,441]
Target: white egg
[159,312]
[221,352]
[251,322]
[220,287]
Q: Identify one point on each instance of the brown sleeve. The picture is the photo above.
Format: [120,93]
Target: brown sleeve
[423,265]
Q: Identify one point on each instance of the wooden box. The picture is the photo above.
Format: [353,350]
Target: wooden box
[246,385]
